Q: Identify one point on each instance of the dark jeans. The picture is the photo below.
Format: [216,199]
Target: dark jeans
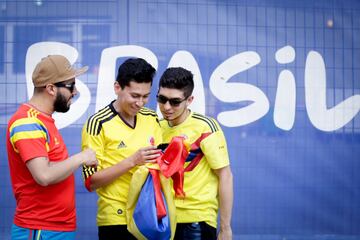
[114,232]
[195,231]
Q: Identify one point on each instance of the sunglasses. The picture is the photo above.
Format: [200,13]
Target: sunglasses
[70,86]
[174,102]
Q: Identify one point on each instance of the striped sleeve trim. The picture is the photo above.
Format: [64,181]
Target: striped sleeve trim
[88,171]
[209,121]
[147,111]
[94,124]
[28,128]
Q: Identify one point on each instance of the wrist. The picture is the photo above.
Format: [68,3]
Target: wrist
[131,162]
[80,158]
[225,226]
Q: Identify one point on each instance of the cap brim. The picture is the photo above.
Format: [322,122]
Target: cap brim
[81,70]
[77,73]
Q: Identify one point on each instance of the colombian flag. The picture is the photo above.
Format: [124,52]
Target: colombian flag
[150,208]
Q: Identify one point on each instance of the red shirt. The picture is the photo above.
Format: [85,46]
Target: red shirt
[32,134]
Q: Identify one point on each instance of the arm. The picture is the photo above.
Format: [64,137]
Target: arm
[46,173]
[107,175]
[226,201]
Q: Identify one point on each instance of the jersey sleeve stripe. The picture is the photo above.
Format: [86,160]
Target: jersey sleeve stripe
[147,111]
[101,122]
[95,121]
[90,120]
[27,135]
[148,114]
[26,128]
[209,121]
[88,171]
[93,117]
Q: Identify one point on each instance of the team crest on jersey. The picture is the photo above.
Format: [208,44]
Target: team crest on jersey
[152,141]
[121,145]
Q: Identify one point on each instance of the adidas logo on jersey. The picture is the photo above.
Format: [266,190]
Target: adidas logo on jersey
[121,145]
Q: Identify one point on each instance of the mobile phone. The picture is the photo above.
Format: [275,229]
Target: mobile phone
[162,146]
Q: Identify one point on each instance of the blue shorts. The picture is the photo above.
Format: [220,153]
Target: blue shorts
[19,233]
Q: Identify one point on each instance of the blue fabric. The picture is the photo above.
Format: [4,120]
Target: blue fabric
[192,155]
[20,233]
[145,214]
[30,127]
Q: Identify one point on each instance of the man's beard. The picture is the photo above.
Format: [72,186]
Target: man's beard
[61,104]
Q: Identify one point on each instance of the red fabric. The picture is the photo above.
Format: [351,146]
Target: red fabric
[88,183]
[195,146]
[172,161]
[173,158]
[37,207]
[178,183]
[160,205]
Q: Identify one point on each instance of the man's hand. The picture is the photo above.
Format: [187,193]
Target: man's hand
[145,155]
[89,157]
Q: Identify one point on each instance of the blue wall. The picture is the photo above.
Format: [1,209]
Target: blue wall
[292,180]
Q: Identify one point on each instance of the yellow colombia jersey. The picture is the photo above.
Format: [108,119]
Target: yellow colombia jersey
[114,140]
[200,184]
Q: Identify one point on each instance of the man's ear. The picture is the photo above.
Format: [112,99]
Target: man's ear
[189,100]
[51,89]
[117,87]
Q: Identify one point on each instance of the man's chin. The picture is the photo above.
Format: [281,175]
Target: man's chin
[63,110]
[168,118]
[167,115]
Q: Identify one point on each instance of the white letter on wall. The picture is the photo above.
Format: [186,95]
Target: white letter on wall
[315,98]
[236,92]
[285,101]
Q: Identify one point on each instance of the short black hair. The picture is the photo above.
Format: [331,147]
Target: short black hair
[178,78]
[135,69]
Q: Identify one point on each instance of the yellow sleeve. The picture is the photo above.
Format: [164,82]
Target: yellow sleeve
[215,150]
[96,143]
